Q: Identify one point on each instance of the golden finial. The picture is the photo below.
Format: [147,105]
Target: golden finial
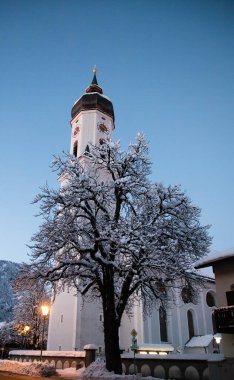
[95,69]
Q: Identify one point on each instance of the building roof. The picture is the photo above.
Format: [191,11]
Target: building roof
[215,257]
[200,341]
[93,99]
[207,272]
[162,347]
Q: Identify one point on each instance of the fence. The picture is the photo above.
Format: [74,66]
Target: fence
[172,366]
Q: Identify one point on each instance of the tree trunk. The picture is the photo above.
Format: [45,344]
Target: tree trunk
[111,337]
[111,324]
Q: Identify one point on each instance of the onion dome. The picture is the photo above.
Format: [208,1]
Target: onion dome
[93,99]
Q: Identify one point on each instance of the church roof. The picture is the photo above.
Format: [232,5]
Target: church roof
[200,341]
[93,99]
[215,257]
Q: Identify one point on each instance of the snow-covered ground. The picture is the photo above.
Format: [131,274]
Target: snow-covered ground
[70,373]
[31,369]
[96,370]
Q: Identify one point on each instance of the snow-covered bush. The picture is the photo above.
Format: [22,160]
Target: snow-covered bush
[34,369]
[47,370]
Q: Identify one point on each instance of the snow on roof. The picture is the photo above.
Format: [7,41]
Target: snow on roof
[214,257]
[207,272]
[90,347]
[173,356]
[76,354]
[200,341]
[155,347]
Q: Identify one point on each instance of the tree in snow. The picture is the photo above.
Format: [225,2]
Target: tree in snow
[29,295]
[8,272]
[114,235]
[9,337]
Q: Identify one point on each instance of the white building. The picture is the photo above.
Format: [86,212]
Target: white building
[223,267]
[73,324]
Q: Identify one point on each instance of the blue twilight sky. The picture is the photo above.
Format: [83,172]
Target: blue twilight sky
[168,67]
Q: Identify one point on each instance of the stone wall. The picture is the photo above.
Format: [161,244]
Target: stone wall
[184,367]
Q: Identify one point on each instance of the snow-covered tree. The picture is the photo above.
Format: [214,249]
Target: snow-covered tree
[9,336]
[113,234]
[8,272]
[27,319]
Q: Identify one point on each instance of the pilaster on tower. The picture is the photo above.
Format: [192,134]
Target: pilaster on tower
[92,119]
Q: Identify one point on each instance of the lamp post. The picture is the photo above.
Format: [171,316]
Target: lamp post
[26,331]
[218,338]
[134,347]
[44,312]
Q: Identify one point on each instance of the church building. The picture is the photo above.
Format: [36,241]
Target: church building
[74,323]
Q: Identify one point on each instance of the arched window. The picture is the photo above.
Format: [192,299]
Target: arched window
[187,295]
[75,148]
[163,324]
[190,324]
[210,299]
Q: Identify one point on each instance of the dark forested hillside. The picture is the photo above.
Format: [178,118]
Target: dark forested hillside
[8,272]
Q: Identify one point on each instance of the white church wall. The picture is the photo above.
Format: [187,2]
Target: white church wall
[208,310]
[128,324]
[89,328]
[62,322]
[177,320]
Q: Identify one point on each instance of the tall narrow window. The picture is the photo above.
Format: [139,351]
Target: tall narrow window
[163,324]
[190,324]
[210,299]
[214,324]
[75,148]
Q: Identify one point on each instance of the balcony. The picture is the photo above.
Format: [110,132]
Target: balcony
[224,319]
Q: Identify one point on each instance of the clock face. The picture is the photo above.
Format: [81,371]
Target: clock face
[76,131]
[102,127]
[102,141]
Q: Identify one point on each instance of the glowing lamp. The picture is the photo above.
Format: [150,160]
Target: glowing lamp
[218,338]
[45,310]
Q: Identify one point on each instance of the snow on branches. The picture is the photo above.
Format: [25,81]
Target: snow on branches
[109,227]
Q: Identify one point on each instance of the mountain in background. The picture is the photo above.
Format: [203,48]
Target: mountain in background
[8,272]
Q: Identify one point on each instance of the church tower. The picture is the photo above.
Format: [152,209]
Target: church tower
[73,322]
[92,119]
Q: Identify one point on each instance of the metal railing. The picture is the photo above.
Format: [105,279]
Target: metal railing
[224,319]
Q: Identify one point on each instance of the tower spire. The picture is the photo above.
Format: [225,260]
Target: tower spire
[94,84]
[94,81]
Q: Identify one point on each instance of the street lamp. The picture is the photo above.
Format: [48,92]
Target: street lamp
[218,338]
[25,332]
[134,347]
[44,312]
